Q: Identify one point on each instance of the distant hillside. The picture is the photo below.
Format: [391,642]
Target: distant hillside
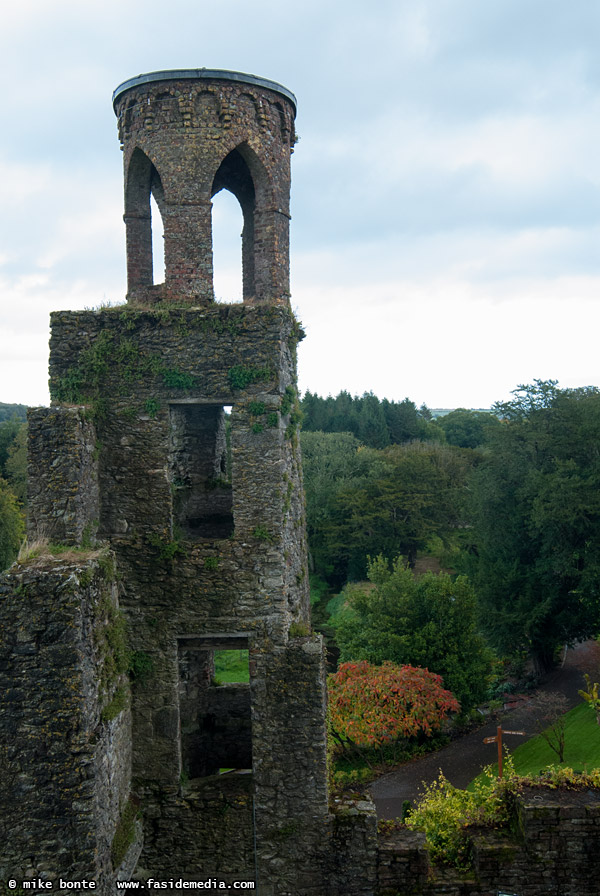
[441,412]
[9,411]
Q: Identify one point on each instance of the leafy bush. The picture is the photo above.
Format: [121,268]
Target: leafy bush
[428,621]
[445,813]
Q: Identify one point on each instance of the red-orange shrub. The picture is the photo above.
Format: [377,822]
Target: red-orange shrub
[370,706]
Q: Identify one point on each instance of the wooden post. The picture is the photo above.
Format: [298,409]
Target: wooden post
[498,739]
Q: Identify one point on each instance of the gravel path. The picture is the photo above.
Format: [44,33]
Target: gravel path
[466,756]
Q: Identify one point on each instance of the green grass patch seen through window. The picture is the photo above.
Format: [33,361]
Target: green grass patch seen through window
[231,666]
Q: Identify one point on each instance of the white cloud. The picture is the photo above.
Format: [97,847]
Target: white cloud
[447,344]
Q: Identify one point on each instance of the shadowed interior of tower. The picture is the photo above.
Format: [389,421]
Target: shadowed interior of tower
[214,716]
[200,469]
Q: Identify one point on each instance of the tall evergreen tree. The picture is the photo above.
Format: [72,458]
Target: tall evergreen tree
[536,521]
[376,423]
[12,526]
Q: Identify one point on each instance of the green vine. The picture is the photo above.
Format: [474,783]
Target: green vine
[111,641]
[165,549]
[291,405]
[287,501]
[141,666]
[151,407]
[240,377]
[178,379]
[84,381]
[119,702]
[256,408]
[261,533]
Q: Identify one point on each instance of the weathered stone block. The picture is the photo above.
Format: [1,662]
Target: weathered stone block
[65,764]
[62,475]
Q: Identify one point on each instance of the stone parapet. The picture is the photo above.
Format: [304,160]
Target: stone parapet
[62,474]
[553,848]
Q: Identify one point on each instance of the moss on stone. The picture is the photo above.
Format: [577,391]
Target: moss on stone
[125,832]
[119,702]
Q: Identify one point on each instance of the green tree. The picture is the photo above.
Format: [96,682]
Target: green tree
[467,429]
[12,526]
[9,430]
[332,463]
[404,421]
[411,493]
[535,553]
[16,464]
[12,412]
[427,621]
[376,423]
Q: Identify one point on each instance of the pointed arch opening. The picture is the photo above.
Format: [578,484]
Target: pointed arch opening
[240,174]
[227,230]
[158,242]
[143,185]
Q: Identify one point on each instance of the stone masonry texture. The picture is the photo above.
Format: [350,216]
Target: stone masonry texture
[65,767]
[184,139]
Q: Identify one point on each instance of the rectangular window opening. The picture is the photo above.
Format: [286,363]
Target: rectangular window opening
[231,667]
[214,705]
[200,470]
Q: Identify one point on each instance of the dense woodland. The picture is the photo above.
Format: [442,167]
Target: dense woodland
[506,502]
[13,480]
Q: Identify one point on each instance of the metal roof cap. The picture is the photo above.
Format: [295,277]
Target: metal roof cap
[200,73]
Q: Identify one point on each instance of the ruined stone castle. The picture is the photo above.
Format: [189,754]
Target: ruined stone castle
[166,478]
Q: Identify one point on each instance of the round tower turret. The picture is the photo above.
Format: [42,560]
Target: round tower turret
[186,135]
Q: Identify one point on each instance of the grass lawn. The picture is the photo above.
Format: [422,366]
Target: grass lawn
[582,746]
[231,666]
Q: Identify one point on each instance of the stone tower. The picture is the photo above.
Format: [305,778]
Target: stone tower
[166,473]
[185,136]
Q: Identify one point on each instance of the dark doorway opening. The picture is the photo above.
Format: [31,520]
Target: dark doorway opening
[216,730]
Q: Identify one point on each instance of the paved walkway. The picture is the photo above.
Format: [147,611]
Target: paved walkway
[466,756]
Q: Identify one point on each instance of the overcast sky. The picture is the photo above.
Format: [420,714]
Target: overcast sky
[445,189]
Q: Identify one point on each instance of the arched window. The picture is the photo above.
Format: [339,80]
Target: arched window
[143,182]
[158,242]
[234,175]
[227,226]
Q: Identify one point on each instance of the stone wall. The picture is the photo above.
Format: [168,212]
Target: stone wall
[290,766]
[350,859]
[205,513]
[65,735]
[554,849]
[200,828]
[62,475]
